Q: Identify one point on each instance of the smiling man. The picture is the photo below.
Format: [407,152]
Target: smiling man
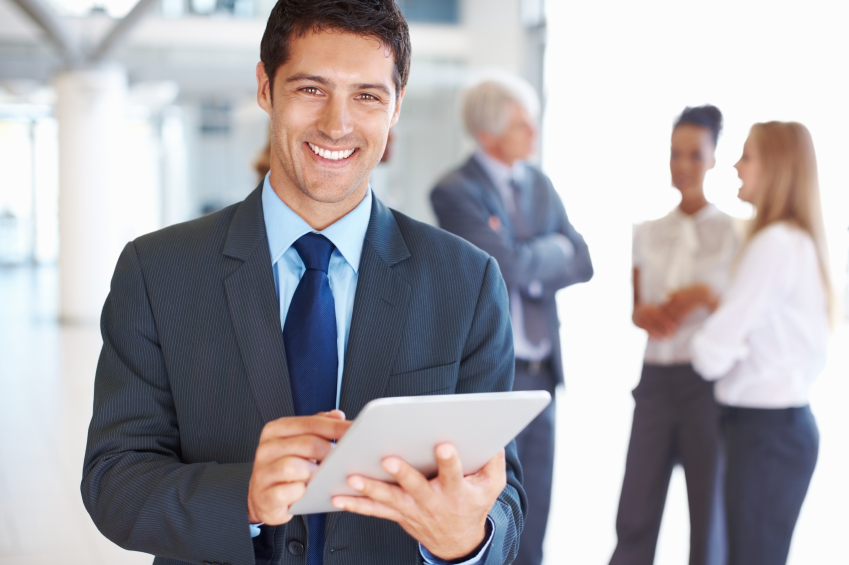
[236,345]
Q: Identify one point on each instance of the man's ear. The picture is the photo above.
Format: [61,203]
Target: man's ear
[397,112]
[263,88]
[485,139]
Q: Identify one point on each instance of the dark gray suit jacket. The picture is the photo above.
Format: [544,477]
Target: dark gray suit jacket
[466,199]
[193,366]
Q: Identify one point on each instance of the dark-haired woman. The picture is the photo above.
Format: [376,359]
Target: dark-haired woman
[681,265]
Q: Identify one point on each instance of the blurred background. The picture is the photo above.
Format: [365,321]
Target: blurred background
[118,118]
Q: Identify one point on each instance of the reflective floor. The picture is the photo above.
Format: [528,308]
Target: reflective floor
[47,371]
[46,375]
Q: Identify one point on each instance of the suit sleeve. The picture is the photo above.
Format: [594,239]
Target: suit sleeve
[135,486]
[522,262]
[579,267]
[487,366]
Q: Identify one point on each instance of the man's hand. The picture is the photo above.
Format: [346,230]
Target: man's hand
[446,514]
[288,454]
[654,320]
[682,302]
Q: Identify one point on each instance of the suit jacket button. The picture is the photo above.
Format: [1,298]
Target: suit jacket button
[296,547]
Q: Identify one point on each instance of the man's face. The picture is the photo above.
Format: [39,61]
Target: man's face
[517,141]
[333,104]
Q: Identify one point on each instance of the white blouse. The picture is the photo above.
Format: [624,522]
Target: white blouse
[767,341]
[677,251]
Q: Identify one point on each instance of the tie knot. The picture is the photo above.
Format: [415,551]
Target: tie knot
[315,251]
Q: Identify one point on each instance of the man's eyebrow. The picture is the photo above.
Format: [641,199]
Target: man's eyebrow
[377,86]
[310,78]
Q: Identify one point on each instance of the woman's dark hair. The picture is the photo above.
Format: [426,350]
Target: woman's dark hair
[706,116]
[381,19]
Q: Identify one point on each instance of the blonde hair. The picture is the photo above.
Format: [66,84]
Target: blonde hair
[789,187]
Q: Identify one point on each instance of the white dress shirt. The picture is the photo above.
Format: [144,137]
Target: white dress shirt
[680,250]
[767,341]
[501,176]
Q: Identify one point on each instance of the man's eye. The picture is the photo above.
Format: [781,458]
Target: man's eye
[367,96]
[310,90]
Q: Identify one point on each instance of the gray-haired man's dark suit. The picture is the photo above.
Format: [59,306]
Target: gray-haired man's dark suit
[465,202]
[193,366]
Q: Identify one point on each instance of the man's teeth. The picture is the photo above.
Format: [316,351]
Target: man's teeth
[331,155]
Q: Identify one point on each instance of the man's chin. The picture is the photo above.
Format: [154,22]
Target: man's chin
[326,193]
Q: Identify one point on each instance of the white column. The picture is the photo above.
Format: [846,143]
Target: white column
[91,110]
[176,201]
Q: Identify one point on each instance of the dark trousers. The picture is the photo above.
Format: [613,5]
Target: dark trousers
[771,455]
[675,420]
[535,446]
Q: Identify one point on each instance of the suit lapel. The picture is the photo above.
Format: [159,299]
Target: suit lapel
[255,311]
[492,196]
[380,309]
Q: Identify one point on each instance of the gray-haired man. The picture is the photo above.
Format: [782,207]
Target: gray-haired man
[510,210]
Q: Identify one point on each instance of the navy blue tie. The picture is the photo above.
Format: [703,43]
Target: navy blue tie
[309,335]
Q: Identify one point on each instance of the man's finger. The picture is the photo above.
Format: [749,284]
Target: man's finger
[409,479]
[336,413]
[273,503]
[305,446]
[448,467]
[366,507]
[494,473]
[327,427]
[288,470]
[379,491]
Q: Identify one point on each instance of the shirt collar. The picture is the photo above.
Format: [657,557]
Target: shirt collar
[706,212]
[284,226]
[498,171]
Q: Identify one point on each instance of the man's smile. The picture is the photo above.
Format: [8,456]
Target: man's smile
[331,154]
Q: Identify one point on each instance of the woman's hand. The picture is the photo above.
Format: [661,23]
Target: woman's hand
[654,320]
[682,302]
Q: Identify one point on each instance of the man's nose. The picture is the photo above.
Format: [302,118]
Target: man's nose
[335,120]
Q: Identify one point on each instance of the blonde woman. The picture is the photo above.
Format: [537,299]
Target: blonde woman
[766,343]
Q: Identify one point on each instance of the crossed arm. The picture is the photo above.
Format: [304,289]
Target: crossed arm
[544,259]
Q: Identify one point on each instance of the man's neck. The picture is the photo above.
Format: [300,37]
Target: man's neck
[319,215]
[500,158]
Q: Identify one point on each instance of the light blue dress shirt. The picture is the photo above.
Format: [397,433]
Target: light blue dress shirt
[284,227]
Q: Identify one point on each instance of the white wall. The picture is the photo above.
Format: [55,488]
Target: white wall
[618,73]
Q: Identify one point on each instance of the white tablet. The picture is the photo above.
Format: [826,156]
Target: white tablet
[411,427]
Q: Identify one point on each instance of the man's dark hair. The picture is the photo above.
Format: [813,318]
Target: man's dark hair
[706,116]
[380,19]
